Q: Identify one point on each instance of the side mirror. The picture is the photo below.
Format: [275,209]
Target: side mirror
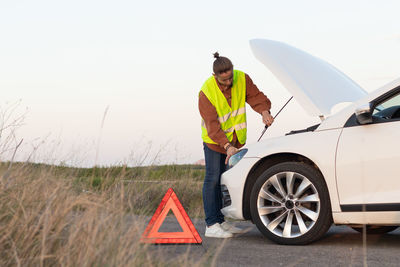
[364,114]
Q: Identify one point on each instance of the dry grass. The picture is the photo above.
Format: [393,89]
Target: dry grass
[59,216]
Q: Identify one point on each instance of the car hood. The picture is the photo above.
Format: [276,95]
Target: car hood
[314,83]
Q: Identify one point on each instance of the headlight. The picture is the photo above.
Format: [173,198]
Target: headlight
[237,157]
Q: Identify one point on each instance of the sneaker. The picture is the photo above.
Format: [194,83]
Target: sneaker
[231,228]
[216,230]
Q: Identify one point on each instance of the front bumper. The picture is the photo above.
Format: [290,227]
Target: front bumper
[233,182]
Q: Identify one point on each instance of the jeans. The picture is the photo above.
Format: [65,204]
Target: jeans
[212,196]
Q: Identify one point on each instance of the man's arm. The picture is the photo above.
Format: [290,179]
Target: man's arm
[255,98]
[258,101]
[210,117]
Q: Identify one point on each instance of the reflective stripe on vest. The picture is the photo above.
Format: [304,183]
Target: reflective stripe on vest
[232,118]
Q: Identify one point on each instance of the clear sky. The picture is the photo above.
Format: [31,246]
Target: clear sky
[67,61]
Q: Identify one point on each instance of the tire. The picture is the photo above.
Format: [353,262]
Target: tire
[280,214]
[375,229]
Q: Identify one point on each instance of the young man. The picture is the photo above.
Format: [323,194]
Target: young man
[222,106]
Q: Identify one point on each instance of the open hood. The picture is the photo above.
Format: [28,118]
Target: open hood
[314,83]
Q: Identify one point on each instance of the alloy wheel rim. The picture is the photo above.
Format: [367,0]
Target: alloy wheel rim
[288,204]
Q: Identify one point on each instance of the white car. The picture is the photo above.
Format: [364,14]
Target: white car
[345,170]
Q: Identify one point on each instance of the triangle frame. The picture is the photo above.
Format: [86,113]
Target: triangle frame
[170,202]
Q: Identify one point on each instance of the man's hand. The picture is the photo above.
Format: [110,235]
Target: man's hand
[267,118]
[230,152]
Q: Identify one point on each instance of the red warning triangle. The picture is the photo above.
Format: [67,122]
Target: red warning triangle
[170,202]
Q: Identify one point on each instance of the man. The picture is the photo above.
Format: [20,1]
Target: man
[222,102]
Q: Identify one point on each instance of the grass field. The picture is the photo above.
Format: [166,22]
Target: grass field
[63,216]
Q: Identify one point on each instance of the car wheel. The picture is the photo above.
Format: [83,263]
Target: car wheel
[290,204]
[375,229]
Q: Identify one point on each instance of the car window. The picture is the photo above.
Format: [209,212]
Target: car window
[388,109]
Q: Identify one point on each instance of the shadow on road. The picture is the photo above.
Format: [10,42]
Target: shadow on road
[345,236]
[341,246]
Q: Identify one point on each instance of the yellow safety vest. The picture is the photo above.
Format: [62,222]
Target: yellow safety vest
[232,118]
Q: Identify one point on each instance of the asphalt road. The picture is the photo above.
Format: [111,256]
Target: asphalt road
[341,246]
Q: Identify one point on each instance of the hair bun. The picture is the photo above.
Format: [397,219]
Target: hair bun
[216,55]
